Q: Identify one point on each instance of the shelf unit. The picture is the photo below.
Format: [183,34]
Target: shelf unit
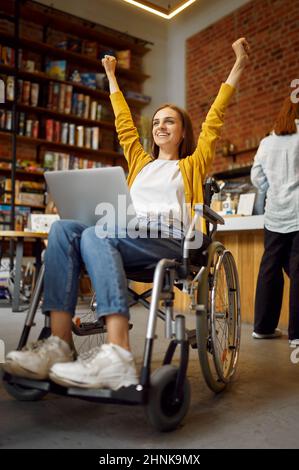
[50,22]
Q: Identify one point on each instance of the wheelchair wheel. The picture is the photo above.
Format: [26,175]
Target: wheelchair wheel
[88,331]
[163,412]
[218,326]
[21,393]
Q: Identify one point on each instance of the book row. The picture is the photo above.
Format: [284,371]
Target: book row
[60,97]
[53,131]
[63,161]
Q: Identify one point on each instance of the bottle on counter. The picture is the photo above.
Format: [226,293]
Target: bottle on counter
[227,205]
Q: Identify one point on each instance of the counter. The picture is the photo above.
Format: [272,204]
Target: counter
[232,223]
[244,237]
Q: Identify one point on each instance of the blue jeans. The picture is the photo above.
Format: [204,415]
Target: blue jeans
[72,244]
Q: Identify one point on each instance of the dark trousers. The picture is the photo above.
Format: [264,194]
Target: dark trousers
[281,253]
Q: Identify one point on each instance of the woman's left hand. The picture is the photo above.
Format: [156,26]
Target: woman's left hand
[241,49]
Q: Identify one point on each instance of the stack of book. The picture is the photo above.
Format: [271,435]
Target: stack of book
[30,193]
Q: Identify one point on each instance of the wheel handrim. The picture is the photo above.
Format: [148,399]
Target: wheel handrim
[224,316]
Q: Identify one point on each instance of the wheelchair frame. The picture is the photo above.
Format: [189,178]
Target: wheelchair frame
[166,393]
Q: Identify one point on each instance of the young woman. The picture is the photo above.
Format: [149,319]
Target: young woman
[275,172]
[171,177]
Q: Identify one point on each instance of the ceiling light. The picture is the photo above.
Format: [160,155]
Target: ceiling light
[166,13]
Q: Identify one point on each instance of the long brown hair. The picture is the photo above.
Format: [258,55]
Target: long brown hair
[285,121]
[187,146]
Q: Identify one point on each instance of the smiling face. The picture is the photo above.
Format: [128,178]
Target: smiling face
[167,129]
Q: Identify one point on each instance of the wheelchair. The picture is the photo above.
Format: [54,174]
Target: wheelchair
[209,276]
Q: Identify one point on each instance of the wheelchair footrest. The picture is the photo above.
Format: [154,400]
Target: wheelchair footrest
[132,395]
[126,395]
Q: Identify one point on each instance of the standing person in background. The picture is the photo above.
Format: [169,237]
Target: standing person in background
[276,172]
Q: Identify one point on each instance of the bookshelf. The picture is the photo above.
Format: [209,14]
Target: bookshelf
[57,100]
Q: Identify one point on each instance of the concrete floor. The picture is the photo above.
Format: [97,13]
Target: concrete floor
[259,410]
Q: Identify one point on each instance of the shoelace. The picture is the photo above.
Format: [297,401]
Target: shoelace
[40,346]
[89,355]
[34,345]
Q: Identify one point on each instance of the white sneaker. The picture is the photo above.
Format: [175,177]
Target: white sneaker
[106,366]
[294,343]
[277,334]
[35,360]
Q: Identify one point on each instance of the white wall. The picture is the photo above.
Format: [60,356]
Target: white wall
[166,62]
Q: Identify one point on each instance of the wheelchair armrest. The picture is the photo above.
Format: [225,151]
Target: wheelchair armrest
[208,214]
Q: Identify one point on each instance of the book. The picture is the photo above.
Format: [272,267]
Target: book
[49,160]
[22,120]
[56,131]
[124,59]
[80,105]
[86,108]
[10,88]
[64,132]
[89,80]
[49,129]
[56,69]
[93,110]
[61,97]
[68,99]
[80,136]
[95,136]
[35,129]
[34,93]
[26,92]
[50,95]
[31,199]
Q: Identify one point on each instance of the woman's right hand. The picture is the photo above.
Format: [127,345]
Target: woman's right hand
[109,64]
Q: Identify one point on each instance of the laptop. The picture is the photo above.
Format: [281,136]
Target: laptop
[98,196]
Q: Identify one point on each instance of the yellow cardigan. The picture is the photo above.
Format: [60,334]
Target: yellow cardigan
[193,167]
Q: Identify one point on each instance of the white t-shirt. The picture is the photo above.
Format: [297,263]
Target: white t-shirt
[158,195]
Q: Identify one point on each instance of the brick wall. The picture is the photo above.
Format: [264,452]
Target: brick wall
[272,29]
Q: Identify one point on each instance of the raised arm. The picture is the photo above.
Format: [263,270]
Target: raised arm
[127,133]
[211,128]
[109,64]
[241,49]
